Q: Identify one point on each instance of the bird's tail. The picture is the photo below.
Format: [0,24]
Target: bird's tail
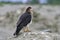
[18,29]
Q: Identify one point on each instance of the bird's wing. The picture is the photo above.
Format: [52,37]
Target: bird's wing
[23,19]
[28,19]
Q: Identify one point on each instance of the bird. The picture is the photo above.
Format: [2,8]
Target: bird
[24,21]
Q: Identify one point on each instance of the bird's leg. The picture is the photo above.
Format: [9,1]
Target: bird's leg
[26,29]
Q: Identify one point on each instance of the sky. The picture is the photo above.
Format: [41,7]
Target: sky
[14,0]
[24,1]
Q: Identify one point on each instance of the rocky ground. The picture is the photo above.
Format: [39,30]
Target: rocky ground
[30,36]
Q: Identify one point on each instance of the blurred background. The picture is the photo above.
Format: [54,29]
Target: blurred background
[46,15]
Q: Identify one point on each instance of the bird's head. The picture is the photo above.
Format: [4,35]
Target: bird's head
[29,9]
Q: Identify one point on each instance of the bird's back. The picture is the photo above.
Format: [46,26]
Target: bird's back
[24,19]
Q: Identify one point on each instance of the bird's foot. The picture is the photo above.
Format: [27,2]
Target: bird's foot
[27,30]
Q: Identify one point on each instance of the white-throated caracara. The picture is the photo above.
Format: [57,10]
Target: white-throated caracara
[23,21]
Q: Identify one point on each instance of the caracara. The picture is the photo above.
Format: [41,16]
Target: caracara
[23,21]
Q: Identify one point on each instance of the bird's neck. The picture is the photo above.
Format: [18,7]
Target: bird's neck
[28,12]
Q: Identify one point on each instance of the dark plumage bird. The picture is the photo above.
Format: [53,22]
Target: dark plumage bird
[23,21]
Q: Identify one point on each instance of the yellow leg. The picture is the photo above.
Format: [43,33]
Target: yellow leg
[26,29]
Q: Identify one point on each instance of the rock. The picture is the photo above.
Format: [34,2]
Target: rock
[37,36]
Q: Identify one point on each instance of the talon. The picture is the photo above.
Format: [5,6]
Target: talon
[27,29]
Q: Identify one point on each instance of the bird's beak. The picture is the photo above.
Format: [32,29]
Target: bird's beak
[31,9]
